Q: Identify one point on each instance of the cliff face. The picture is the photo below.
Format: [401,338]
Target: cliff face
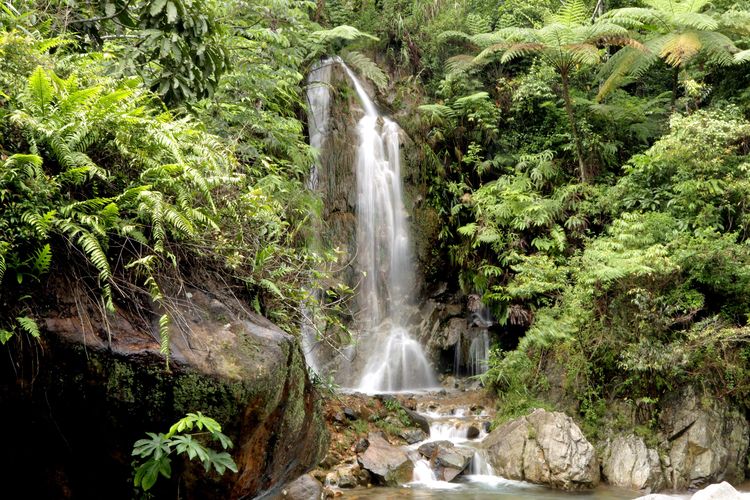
[78,400]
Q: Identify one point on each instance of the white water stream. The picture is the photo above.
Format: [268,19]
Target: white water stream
[394,359]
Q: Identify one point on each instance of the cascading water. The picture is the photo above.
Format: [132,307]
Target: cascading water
[395,360]
[319,105]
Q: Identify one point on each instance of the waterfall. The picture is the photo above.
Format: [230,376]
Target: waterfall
[318,116]
[393,359]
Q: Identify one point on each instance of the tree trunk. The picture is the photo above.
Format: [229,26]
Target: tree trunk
[675,83]
[573,128]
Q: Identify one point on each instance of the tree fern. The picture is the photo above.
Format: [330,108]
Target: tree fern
[342,32]
[675,31]
[365,67]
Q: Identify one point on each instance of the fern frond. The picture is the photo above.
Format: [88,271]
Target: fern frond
[39,91]
[3,266]
[365,67]
[573,12]
[342,32]
[42,260]
[519,50]
[29,326]
[164,338]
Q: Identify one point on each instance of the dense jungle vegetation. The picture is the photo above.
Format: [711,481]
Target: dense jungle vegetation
[587,162]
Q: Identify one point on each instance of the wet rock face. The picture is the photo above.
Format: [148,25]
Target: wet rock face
[389,465]
[81,405]
[545,448]
[628,463]
[706,441]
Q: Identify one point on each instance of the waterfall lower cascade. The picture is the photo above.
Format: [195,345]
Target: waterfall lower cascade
[395,361]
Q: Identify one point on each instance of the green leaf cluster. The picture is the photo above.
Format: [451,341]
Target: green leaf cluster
[188,436]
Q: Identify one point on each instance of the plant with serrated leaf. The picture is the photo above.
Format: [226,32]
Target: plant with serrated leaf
[189,436]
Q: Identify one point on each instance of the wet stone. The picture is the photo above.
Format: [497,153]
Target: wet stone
[412,436]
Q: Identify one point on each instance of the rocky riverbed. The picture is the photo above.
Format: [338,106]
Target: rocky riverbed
[442,444]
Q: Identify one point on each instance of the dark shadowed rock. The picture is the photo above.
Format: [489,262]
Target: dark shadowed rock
[361,445]
[95,393]
[472,432]
[418,420]
[351,414]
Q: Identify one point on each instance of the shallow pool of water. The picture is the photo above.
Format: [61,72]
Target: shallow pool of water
[485,488]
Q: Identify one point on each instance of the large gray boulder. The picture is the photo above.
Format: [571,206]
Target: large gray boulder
[628,463]
[388,464]
[545,448]
[706,441]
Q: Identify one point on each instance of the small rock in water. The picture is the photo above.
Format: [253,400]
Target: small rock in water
[412,436]
[486,426]
[351,414]
[443,392]
[472,432]
[450,462]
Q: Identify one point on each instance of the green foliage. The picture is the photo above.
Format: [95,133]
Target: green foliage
[188,436]
[676,31]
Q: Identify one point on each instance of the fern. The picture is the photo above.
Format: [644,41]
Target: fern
[40,92]
[42,260]
[342,32]
[366,68]
[164,337]
[29,326]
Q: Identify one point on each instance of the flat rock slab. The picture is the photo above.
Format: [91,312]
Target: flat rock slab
[388,464]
